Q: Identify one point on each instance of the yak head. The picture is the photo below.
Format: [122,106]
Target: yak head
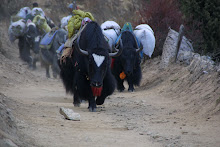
[97,59]
[33,37]
[130,54]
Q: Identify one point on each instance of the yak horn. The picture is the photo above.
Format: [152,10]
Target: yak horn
[83,52]
[140,48]
[141,45]
[118,51]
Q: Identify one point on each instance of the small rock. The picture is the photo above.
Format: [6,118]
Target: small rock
[69,114]
[141,133]
[184,132]
[149,133]
[156,136]
[205,72]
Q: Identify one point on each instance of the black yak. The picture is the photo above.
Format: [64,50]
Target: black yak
[87,73]
[127,65]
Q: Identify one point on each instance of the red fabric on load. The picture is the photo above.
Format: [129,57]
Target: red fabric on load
[97,91]
[112,63]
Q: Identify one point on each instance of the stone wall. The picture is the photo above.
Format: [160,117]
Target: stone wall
[197,65]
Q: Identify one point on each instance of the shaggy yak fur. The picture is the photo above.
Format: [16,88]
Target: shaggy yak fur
[86,76]
[128,63]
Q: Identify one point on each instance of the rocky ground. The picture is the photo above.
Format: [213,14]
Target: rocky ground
[174,107]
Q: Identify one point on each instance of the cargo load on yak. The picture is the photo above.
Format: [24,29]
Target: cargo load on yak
[47,40]
[41,24]
[128,27]
[66,49]
[111,30]
[37,11]
[64,22]
[22,13]
[146,37]
[16,29]
[76,20]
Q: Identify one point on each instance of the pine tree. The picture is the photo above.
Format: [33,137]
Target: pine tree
[207,13]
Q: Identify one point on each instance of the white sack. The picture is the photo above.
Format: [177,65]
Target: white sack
[64,21]
[145,36]
[24,12]
[36,11]
[16,29]
[111,30]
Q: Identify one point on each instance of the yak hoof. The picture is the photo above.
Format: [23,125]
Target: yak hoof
[47,75]
[121,89]
[34,67]
[92,109]
[54,76]
[77,105]
[30,67]
[131,90]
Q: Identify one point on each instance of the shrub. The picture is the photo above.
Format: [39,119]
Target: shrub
[160,15]
[207,15]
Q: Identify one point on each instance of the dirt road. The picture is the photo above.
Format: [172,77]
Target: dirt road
[146,117]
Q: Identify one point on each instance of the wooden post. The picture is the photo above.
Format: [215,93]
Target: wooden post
[181,32]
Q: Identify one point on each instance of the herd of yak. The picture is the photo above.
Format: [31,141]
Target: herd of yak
[102,58]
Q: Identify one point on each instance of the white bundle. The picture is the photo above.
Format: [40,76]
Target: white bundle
[37,11]
[111,30]
[145,36]
[64,21]
[16,29]
[24,12]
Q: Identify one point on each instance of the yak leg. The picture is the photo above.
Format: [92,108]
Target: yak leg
[36,58]
[100,100]
[54,72]
[76,100]
[55,67]
[120,85]
[92,104]
[130,84]
[26,56]
[47,66]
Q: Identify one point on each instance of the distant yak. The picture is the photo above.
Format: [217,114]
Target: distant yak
[127,65]
[49,55]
